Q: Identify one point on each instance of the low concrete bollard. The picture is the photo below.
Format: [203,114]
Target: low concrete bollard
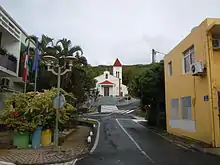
[89,139]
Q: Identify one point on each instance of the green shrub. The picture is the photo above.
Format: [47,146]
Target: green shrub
[26,111]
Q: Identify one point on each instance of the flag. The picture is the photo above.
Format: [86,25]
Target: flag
[26,70]
[36,59]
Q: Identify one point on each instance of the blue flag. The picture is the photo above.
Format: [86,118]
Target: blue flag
[36,59]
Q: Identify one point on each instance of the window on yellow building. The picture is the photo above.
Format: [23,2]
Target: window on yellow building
[174,109]
[186,105]
[188,59]
[170,71]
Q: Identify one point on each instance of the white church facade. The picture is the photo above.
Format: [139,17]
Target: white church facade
[111,85]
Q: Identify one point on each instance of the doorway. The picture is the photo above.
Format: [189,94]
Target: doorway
[106,91]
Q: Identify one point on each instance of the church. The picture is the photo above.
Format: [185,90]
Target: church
[111,85]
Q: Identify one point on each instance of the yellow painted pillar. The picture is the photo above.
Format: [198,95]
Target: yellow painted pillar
[208,66]
[214,111]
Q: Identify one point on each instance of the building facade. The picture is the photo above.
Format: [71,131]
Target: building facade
[12,39]
[192,84]
[111,85]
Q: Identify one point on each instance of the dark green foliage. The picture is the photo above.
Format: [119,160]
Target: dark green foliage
[149,87]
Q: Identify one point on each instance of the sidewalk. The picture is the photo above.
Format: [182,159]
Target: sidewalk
[184,142]
[72,147]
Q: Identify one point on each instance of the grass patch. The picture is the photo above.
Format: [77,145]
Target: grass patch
[140,113]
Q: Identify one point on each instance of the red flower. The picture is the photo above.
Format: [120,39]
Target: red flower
[16,114]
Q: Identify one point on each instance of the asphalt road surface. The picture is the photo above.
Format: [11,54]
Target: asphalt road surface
[125,142]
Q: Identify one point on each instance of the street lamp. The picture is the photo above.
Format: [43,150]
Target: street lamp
[52,63]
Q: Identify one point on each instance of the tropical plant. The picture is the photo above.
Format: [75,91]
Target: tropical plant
[18,116]
[25,111]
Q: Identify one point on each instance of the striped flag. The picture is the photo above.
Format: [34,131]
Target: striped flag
[26,66]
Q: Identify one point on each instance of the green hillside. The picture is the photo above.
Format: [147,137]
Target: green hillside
[129,71]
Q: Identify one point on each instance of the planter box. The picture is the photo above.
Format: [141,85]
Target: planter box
[3,61]
[7,63]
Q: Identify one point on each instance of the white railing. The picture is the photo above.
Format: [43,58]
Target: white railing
[9,26]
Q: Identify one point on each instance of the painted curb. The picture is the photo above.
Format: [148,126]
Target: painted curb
[6,163]
[96,139]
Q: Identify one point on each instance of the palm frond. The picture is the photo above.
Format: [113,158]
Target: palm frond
[32,39]
[75,49]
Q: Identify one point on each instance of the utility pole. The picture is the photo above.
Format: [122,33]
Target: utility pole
[153,55]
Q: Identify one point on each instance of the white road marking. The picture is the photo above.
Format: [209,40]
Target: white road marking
[131,138]
[97,138]
[130,111]
[100,114]
[138,120]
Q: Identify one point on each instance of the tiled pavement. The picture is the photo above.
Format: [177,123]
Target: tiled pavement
[67,163]
[39,156]
[66,153]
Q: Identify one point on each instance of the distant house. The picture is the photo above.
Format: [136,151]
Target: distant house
[111,85]
[192,84]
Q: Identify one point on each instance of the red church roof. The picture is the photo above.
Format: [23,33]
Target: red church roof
[106,82]
[117,63]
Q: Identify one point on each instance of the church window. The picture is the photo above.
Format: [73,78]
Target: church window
[117,74]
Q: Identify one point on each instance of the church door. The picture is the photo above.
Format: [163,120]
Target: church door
[106,91]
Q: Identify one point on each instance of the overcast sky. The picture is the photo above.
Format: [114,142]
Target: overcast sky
[107,29]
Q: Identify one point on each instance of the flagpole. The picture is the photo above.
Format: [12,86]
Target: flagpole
[25,87]
[35,65]
[25,83]
[35,81]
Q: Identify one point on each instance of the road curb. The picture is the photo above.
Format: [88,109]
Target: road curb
[96,139]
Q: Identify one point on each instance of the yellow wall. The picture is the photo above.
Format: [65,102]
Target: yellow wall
[180,85]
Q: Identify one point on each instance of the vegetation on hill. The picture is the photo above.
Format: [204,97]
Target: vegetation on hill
[129,71]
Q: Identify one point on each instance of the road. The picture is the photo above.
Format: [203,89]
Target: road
[125,142]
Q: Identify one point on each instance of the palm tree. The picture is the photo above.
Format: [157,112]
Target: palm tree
[76,81]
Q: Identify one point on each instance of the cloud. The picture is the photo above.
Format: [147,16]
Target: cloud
[139,50]
[109,29]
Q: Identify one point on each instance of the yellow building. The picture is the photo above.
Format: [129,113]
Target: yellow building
[192,84]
